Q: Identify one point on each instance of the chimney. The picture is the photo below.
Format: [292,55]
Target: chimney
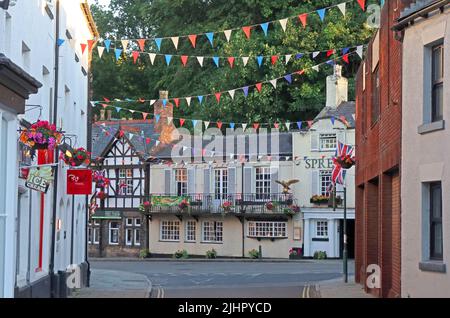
[102,115]
[109,115]
[162,111]
[337,88]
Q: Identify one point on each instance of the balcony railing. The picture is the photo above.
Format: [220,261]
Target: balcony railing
[223,204]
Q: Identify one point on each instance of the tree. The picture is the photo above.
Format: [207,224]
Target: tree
[134,19]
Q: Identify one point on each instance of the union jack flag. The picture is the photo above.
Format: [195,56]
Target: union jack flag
[343,150]
[338,174]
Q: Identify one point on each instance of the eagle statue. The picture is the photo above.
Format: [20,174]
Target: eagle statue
[287,185]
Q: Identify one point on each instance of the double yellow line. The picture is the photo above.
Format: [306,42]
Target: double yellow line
[160,292]
[306,292]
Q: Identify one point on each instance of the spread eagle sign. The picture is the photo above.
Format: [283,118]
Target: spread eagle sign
[287,185]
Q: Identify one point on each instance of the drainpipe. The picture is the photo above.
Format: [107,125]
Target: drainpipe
[55,182]
[242,211]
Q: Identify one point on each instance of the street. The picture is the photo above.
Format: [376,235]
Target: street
[235,279]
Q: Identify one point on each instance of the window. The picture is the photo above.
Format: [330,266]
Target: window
[262,183]
[436,239]
[437,106]
[93,233]
[325,181]
[126,187]
[129,237]
[375,95]
[181,181]
[221,184]
[328,142]
[322,229]
[114,233]
[267,229]
[125,173]
[213,232]
[132,232]
[137,222]
[137,237]
[190,231]
[170,231]
[129,222]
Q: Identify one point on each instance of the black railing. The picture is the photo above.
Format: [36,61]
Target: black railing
[224,204]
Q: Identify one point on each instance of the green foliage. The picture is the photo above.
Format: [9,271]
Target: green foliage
[302,100]
[211,254]
[181,254]
[144,254]
[321,255]
[253,254]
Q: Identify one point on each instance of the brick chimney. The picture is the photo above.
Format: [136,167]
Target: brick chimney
[337,88]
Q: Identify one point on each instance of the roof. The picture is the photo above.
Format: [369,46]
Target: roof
[418,9]
[90,19]
[346,109]
[417,6]
[26,79]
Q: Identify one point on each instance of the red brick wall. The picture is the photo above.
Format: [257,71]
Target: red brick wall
[379,157]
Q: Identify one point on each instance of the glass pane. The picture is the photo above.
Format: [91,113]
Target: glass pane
[436,204]
[438,102]
[437,239]
[438,70]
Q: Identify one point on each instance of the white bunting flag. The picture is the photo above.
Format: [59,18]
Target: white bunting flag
[175,40]
[288,126]
[152,57]
[188,100]
[244,126]
[130,136]
[283,23]
[274,83]
[342,7]
[157,143]
[169,120]
[200,60]
[316,68]
[152,102]
[104,125]
[206,124]
[288,58]
[228,34]
[101,49]
[125,44]
[315,54]
[93,104]
[359,50]
[287,158]
[245,60]
[232,92]
[354,117]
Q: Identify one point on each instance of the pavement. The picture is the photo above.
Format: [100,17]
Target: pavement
[115,284]
[338,289]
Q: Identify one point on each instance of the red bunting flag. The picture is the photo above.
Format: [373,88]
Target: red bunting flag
[148,140]
[231,61]
[141,100]
[300,72]
[184,59]
[106,99]
[193,39]
[362,4]
[274,59]
[247,30]
[83,47]
[277,125]
[105,105]
[345,58]
[259,87]
[218,95]
[182,121]
[310,123]
[144,116]
[177,102]
[90,44]
[141,43]
[303,19]
[330,52]
[204,152]
[256,126]
[219,124]
[135,56]
[344,120]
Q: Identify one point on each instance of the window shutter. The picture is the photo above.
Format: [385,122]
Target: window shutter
[207,181]
[314,141]
[231,181]
[248,180]
[167,181]
[274,176]
[191,181]
[314,183]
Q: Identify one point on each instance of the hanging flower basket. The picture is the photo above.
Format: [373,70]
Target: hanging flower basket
[346,162]
[40,136]
[101,195]
[101,182]
[227,206]
[145,207]
[183,205]
[77,157]
[270,206]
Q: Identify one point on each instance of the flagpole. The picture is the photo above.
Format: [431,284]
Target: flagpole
[345,252]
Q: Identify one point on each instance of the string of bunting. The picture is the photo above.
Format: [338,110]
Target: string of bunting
[211,36]
[218,95]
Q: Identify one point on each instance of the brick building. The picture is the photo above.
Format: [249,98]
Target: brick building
[378,142]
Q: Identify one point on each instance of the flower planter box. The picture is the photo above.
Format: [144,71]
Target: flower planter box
[295,257]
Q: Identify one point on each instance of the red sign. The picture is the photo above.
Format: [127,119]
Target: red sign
[79,182]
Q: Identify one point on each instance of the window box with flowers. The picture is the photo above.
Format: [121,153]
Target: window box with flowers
[295,253]
[227,207]
[325,200]
[145,207]
[291,210]
[40,136]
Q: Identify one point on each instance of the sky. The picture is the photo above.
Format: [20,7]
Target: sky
[102,2]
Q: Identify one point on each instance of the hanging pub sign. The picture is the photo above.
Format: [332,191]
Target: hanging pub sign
[39,179]
[79,182]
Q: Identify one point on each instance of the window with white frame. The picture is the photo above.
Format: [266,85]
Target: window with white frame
[212,232]
[221,184]
[137,237]
[325,178]
[93,233]
[125,173]
[328,142]
[126,187]
[322,229]
[263,183]
[114,228]
[132,231]
[191,231]
[267,229]
[170,231]
[129,236]
[181,181]
[437,106]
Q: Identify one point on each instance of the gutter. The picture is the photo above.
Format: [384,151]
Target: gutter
[404,22]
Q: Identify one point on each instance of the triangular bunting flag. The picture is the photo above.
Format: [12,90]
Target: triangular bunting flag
[247,30]
[288,58]
[321,13]
[194,123]
[345,50]
[188,100]
[90,45]
[218,95]
[200,99]
[359,51]
[274,59]
[345,58]
[315,54]
[362,4]
[333,120]
[157,143]
[177,102]
[157,118]
[303,19]
[152,102]
[315,68]
[342,7]
[210,37]
[60,42]
[231,61]
[182,121]
[260,60]
[107,44]
[244,126]
[310,123]
[298,56]
[288,78]
[265,27]
[216,60]
[152,58]
[274,83]
[158,43]
[219,124]
[168,59]
[256,126]
[148,140]
[259,87]
[164,102]
[100,49]
[141,43]
[228,35]
[135,56]
[232,93]
[144,116]
[330,52]
[299,125]
[200,60]
[288,126]
[283,23]
[175,40]
[184,59]
[193,39]
[169,120]
[118,109]
[245,89]
[206,124]
[118,53]
[245,60]
[125,44]
[83,47]
[232,125]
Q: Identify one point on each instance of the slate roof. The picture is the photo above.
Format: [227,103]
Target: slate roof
[417,6]
[346,109]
